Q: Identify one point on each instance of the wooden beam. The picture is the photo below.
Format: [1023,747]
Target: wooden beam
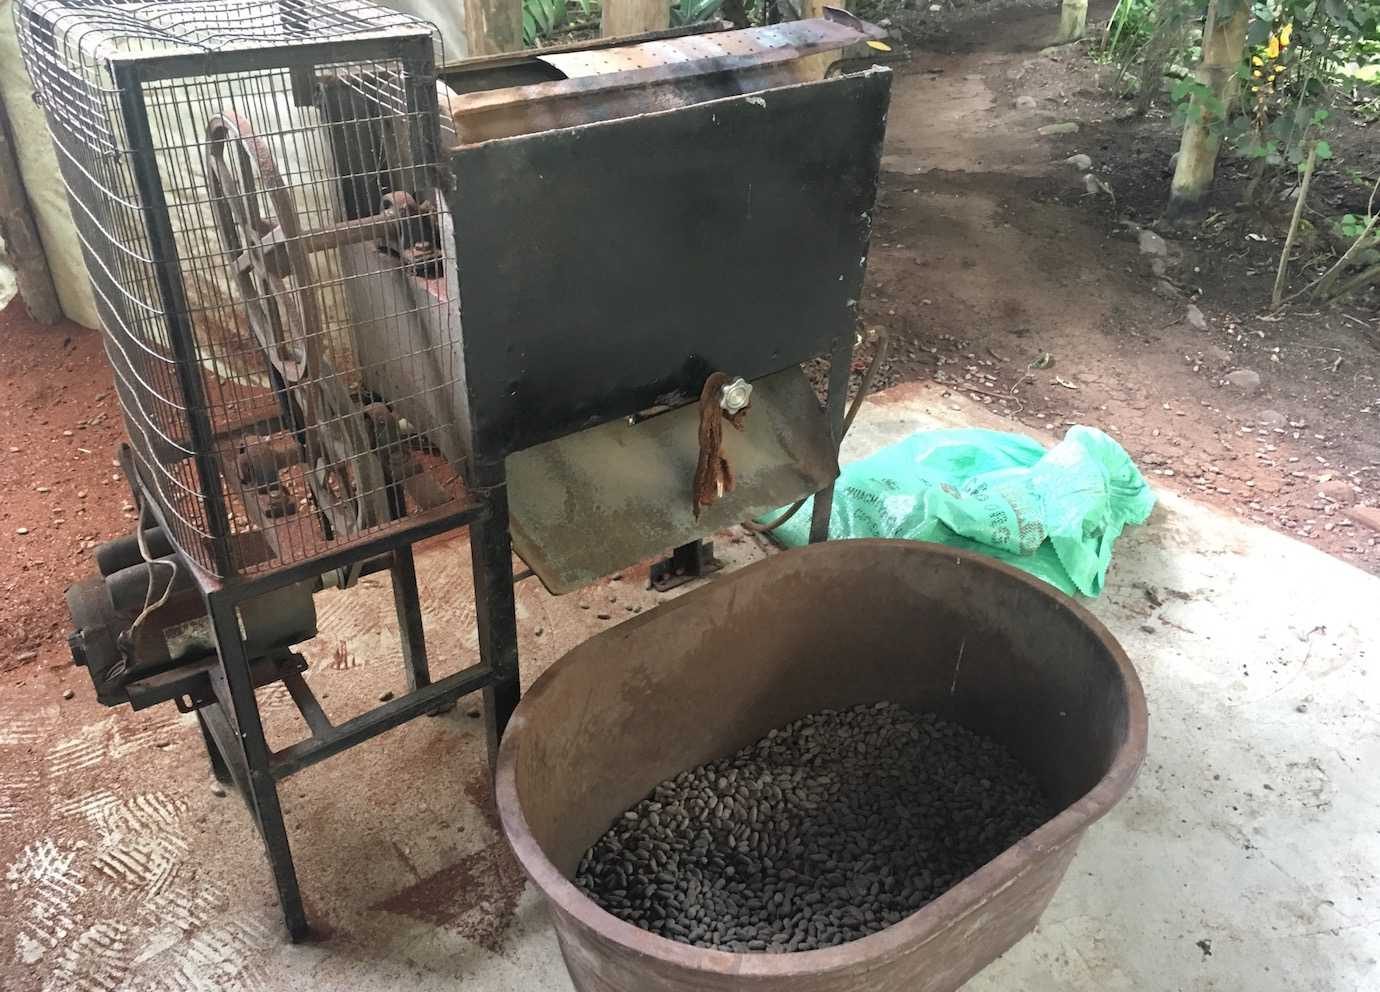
[493,26]
[625,17]
[22,243]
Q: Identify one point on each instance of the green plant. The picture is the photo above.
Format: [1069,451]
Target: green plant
[694,11]
[1296,53]
[1144,39]
[1128,29]
[1276,108]
[541,19]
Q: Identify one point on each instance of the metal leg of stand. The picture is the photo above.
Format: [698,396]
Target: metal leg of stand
[236,690]
[218,766]
[840,366]
[495,608]
[408,604]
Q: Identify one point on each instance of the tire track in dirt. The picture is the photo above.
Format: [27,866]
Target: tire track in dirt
[46,884]
[142,843]
[22,730]
[95,961]
[115,737]
[221,958]
[15,785]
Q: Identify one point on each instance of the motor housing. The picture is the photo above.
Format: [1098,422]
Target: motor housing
[118,648]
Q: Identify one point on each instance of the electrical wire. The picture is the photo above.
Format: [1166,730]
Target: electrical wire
[150,561]
[864,387]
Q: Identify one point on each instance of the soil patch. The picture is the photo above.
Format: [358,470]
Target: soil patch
[61,492]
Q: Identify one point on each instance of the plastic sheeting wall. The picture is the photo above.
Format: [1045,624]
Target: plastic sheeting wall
[38,163]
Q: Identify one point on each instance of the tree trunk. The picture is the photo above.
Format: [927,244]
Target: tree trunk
[1224,45]
[493,26]
[813,67]
[625,17]
[22,243]
[1073,21]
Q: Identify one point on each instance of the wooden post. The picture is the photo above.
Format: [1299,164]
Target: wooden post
[493,26]
[22,243]
[625,17]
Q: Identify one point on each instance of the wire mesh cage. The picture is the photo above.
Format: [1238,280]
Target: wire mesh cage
[257,187]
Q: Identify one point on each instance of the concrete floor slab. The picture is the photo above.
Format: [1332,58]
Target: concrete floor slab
[1245,859]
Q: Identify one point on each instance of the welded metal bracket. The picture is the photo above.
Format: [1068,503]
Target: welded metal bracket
[685,564]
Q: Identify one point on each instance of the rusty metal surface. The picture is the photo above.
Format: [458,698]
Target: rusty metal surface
[612,267]
[829,625]
[836,30]
[570,88]
[465,75]
[636,482]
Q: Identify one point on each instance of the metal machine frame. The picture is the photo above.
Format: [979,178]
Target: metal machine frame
[828,202]
[229,711]
[221,689]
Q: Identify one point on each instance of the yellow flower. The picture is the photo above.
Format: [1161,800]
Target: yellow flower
[1285,33]
[1272,49]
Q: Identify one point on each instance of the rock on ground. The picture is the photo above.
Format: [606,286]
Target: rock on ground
[1166,289]
[1338,490]
[1152,244]
[1243,381]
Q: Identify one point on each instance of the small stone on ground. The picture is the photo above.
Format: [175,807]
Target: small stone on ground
[1166,289]
[1152,244]
[1244,381]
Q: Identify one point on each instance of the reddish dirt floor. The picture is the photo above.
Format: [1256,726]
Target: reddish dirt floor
[60,491]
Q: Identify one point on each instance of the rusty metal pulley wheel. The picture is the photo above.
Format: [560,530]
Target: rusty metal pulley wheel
[267,257]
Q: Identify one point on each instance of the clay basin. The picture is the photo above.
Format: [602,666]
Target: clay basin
[830,625]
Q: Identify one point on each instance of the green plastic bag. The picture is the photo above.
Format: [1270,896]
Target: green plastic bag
[1055,514]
